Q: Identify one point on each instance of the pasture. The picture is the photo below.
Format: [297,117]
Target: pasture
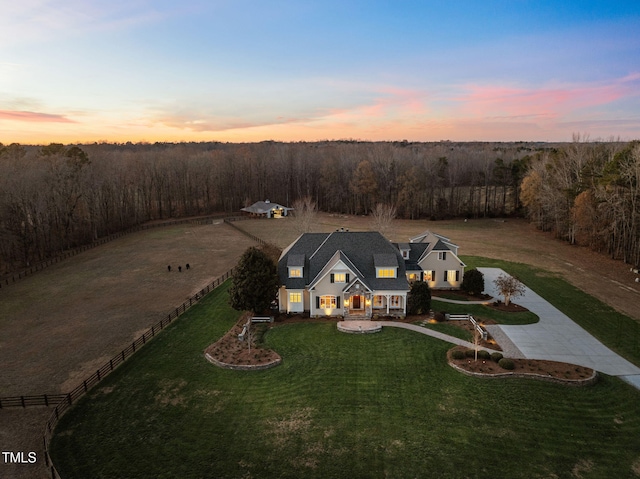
[59,325]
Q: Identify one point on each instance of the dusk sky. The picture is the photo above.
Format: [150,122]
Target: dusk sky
[253,70]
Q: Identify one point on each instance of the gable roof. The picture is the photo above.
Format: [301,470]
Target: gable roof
[360,251]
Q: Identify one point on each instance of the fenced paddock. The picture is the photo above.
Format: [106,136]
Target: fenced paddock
[65,401]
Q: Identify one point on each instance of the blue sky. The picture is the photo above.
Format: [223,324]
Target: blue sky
[135,70]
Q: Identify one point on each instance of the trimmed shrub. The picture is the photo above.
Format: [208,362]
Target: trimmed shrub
[473,282]
[457,354]
[496,357]
[483,354]
[506,363]
[470,353]
[440,316]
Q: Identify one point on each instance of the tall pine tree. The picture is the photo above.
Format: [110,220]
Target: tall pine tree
[255,282]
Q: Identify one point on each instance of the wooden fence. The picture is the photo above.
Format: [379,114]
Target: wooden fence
[231,220]
[65,401]
[27,401]
[11,278]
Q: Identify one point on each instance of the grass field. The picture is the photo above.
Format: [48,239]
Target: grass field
[340,406]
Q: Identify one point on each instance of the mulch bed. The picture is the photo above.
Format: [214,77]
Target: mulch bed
[511,308]
[231,351]
[553,369]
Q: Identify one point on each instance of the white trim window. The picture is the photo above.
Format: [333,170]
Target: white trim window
[386,272]
[442,255]
[396,301]
[295,272]
[327,302]
[295,297]
[378,301]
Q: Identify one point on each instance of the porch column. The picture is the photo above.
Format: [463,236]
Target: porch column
[388,296]
[404,304]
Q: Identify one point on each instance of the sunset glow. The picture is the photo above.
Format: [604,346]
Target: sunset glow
[85,71]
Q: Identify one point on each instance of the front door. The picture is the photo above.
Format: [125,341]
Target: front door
[355,302]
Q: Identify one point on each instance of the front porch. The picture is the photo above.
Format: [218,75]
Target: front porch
[366,305]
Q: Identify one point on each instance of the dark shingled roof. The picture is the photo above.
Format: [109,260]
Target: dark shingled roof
[358,247]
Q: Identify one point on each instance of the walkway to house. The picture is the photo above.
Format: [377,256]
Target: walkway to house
[375,326]
[555,337]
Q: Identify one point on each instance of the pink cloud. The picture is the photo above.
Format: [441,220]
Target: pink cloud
[543,103]
[388,103]
[30,116]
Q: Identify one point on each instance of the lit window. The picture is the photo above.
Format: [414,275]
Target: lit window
[429,275]
[395,301]
[327,302]
[386,273]
[295,297]
[340,277]
[378,301]
[295,272]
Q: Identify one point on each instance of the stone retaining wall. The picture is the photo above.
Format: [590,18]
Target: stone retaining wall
[242,367]
[569,382]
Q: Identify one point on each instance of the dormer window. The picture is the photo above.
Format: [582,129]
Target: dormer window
[386,272]
[295,272]
[405,254]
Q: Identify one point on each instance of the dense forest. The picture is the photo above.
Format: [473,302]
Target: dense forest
[57,197]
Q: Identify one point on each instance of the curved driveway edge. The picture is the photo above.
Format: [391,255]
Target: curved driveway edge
[558,338]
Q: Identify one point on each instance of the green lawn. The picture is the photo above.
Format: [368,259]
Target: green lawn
[618,331]
[339,406]
[481,312]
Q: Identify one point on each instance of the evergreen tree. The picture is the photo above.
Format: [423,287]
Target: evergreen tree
[255,282]
[419,299]
[473,282]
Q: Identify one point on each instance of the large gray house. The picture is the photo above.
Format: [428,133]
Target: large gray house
[360,275]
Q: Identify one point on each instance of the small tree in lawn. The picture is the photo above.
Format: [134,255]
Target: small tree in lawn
[419,299]
[255,282]
[509,287]
[473,282]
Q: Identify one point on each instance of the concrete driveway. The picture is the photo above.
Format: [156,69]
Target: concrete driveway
[555,337]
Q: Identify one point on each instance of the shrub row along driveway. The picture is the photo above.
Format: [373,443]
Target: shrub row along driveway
[556,337]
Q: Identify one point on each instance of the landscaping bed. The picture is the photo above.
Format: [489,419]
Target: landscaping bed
[230,352]
[534,368]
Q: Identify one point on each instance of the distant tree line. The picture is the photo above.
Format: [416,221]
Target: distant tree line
[59,196]
[588,193]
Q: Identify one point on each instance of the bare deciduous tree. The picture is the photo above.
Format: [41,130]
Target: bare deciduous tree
[509,287]
[305,211]
[382,218]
